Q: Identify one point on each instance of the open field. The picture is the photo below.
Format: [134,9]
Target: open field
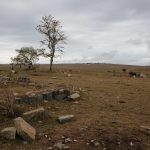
[110,111]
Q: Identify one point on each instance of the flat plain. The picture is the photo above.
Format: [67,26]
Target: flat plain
[108,116]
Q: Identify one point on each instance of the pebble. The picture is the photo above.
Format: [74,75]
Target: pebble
[96,144]
[68,140]
[66,147]
[131,143]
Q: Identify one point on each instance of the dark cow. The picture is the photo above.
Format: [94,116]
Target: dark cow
[132,74]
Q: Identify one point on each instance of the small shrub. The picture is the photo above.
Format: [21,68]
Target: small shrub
[124,70]
[9,107]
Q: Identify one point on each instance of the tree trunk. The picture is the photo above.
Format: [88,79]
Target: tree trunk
[51,64]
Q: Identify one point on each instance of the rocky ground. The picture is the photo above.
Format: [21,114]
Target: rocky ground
[110,110]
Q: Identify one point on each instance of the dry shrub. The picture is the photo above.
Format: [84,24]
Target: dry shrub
[9,108]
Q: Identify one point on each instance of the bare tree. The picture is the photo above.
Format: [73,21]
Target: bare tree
[54,37]
[27,56]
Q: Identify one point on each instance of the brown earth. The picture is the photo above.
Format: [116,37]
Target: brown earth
[110,111]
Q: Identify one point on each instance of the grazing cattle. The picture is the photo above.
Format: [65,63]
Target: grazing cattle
[132,74]
[137,74]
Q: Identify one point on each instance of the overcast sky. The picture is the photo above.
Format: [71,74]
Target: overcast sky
[108,31]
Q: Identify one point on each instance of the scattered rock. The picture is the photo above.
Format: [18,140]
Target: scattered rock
[9,133]
[69,75]
[68,140]
[16,94]
[75,102]
[65,147]
[145,129]
[24,130]
[74,96]
[37,114]
[59,145]
[48,95]
[19,100]
[96,144]
[131,143]
[65,118]
[39,96]
[61,94]
[32,84]
[75,140]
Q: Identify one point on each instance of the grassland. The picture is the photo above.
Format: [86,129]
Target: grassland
[111,109]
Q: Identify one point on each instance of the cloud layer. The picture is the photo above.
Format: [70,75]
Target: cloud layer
[110,31]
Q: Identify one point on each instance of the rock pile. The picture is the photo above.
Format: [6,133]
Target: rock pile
[39,96]
[22,129]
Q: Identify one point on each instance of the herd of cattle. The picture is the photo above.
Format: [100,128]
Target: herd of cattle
[137,74]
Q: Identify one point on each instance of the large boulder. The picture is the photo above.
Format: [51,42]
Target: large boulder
[24,130]
[9,133]
[36,114]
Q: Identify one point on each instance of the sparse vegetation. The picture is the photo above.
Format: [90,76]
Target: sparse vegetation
[8,106]
[108,114]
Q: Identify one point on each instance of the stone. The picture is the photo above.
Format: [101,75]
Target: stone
[39,97]
[145,129]
[36,114]
[9,133]
[24,130]
[32,84]
[48,95]
[74,96]
[55,93]
[68,140]
[16,94]
[69,75]
[31,98]
[96,144]
[62,94]
[66,147]
[66,118]
[59,145]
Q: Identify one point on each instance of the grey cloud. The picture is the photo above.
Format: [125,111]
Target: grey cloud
[93,27]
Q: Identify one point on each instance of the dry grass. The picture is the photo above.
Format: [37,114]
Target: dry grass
[116,105]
